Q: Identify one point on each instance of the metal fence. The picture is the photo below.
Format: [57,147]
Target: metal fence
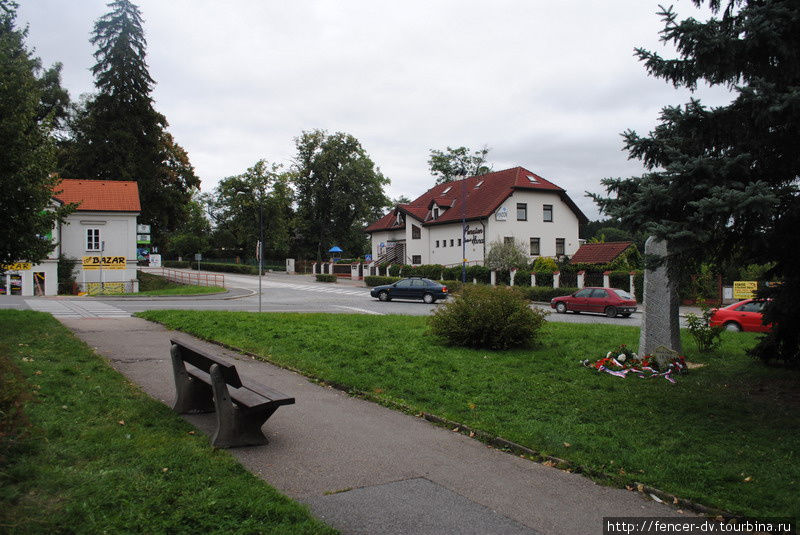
[188,277]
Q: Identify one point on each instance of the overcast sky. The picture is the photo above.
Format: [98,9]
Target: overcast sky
[547,85]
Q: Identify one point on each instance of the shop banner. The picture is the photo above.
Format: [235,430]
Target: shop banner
[18,266]
[104,262]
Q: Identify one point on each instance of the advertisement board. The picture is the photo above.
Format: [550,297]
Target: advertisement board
[104,262]
[745,289]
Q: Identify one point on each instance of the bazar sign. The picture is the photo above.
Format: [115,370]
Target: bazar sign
[104,262]
[18,266]
[744,289]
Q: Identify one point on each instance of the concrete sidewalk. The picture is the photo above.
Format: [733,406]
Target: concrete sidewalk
[365,469]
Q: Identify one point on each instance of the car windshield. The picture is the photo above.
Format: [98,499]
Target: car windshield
[623,294]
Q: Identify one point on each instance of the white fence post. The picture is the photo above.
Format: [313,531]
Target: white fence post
[581,278]
[511,276]
[556,279]
[493,277]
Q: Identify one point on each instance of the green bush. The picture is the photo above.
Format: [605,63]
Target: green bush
[226,268]
[544,264]
[453,286]
[177,264]
[485,317]
[544,279]
[638,286]
[66,275]
[522,278]
[543,293]
[619,279]
[375,280]
[326,278]
[14,394]
[706,336]
[479,273]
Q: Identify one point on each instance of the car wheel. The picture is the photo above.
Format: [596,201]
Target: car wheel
[384,296]
[626,315]
[733,326]
[428,298]
[561,308]
[611,312]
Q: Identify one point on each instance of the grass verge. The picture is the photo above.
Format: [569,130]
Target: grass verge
[725,435]
[102,457]
[150,284]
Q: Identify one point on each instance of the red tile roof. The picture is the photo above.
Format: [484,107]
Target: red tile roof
[483,194]
[599,253]
[99,195]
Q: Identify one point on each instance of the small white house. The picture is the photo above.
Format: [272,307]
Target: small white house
[460,219]
[100,235]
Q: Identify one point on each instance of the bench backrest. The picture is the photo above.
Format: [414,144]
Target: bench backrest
[201,359]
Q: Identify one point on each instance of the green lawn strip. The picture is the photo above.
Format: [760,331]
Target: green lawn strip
[150,284]
[103,457]
[725,435]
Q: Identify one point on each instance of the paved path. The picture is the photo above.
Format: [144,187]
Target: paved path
[366,469]
[77,308]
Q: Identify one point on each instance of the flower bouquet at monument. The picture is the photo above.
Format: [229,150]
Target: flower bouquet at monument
[621,361]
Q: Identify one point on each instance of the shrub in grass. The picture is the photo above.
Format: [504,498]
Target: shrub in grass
[322,277]
[706,336]
[375,280]
[485,317]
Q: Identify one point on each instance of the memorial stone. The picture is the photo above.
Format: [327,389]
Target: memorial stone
[660,325]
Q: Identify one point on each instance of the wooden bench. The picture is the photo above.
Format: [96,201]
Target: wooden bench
[211,383]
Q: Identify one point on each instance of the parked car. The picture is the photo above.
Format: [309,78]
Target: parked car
[609,301]
[745,315]
[411,288]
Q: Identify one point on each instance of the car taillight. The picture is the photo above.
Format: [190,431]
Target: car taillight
[444,289]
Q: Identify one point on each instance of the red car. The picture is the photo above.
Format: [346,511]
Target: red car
[609,301]
[742,316]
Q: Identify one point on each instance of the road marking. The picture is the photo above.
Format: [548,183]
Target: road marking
[76,309]
[364,310]
[309,288]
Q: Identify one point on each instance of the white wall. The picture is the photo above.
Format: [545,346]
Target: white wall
[564,225]
[117,230]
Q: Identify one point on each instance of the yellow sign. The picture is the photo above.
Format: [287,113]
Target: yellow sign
[94,288]
[745,289]
[18,266]
[104,262]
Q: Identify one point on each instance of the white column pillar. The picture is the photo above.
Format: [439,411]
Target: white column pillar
[607,279]
[533,279]
[581,278]
[511,277]
[556,279]
[493,277]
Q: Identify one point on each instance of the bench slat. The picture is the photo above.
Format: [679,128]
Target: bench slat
[242,396]
[274,395]
[201,359]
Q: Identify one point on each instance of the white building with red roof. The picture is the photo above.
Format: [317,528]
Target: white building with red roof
[460,219]
[100,235]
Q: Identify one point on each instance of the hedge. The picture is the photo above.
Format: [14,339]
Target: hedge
[178,264]
[322,277]
[539,293]
[375,280]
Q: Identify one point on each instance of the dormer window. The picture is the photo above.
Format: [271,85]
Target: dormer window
[435,213]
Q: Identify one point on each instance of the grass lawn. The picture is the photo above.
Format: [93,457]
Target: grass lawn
[726,435]
[103,457]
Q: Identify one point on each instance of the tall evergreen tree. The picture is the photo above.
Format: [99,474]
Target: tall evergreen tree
[339,192]
[27,116]
[119,135]
[726,177]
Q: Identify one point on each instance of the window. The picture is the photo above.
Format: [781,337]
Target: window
[587,292]
[532,179]
[405,283]
[416,233]
[444,243]
[559,246]
[451,243]
[508,239]
[459,242]
[448,188]
[547,213]
[522,211]
[436,213]
[535,247]
[479,184]
[92,239]
[597,293]
[416,259]
[437,243]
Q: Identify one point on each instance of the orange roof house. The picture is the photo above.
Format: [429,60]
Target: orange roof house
[599,253]
[99,195]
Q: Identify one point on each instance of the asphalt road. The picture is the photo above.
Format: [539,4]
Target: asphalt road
[280,293]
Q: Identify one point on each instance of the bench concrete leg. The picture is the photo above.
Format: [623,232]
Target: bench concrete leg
[191,395]
[235,427]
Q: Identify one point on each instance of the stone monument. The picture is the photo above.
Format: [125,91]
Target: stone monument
[660,325]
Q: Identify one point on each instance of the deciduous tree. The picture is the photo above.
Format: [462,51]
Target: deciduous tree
[455,164]
[27,116]
[339,191]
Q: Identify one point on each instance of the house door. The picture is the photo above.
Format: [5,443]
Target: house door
[38,283]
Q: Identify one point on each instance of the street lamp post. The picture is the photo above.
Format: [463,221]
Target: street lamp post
[463,226]
[260,241]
